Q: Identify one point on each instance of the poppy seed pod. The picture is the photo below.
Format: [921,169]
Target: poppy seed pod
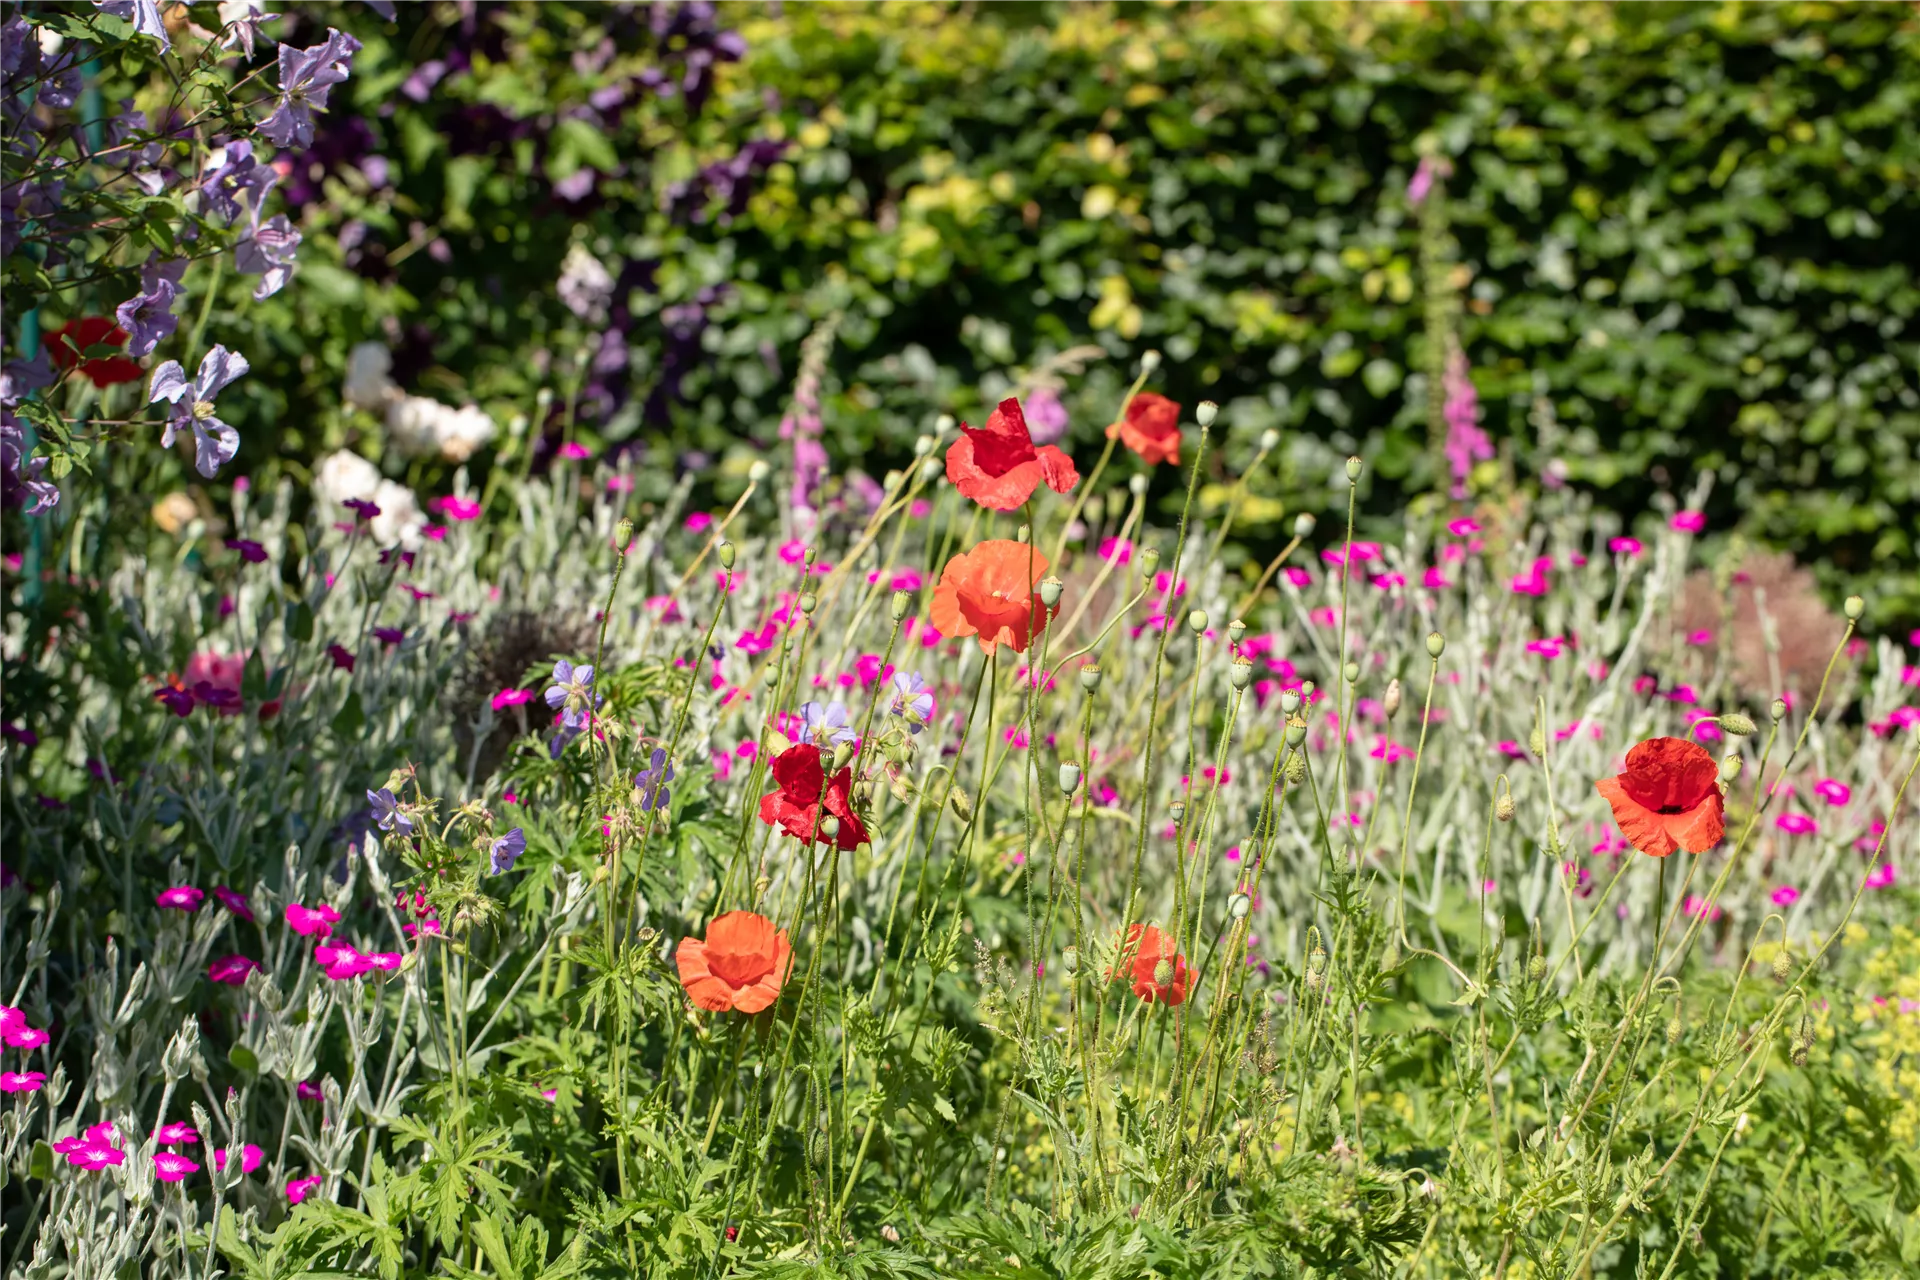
[943,424]
[1205,412]
[1735,723]
[1070,960]
[726,553]
[1240,673]
[1235,630]
[1352,672]
[1353,470]
[923,446]
[1436,644]
[1238,906]
[1050,589]
[842,752]
[931,470]
[1390,701]
[758,472]
[1303,526]
[1289,702]
[1149,560]
[902,601]
[1163,972]
[623,535]
[1069,778]
[1779,710]
[1197,621]
[893,480]
[1178,808]
[1269,440]
[1296,734]
[1137,485]
[1306,688]
[1854,606]
[830,826]
[1149,361]
[1090,677]
[809,602]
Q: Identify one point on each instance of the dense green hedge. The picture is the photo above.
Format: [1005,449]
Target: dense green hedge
[1684,233]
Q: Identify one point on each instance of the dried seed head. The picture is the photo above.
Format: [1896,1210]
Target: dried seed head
[623,536]
[1090,677]
[1178,808]
[1197,622]
[1736,724]
[1050,589]
[1303,526]
[1782,965]
[902,601]
[1296,734]
[1205,412]
[1503,808]
[1390,701]
[1069,778]
[1353,470]
[726,553]
[1238,906]
[1854,607]
[1240,673]
[1778,710]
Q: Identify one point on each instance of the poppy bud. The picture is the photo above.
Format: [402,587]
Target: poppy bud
[1149,361]
[1296,734]
[601,873]
[810,555]
[1390,955]
[1353,470]
[1070,960]
[1735,723]
[758,472]
[1306,688]
[1178,808]
[943,424]
[842,752]
[1137,485]
[830,827]
[623,535]
[1352,672]
[1854,607]
[1503,808]
[1022,533]
[1289,702]
[1537,969]
[1240,674]
[923,446]
[1269,440]
[1390,701]
[1800,1055]
[1238,906]
[1090,677]
[1676,1028]
[1149,560]
[902,601]
[1537,742]
[1205,412]
[543,398]
[1729,767]
[1779,710]
[1163,972]
[892,480]
[809,602]
[1303,526]
[962,804]
[760,886]
[1295,768]
[1782,965]
[1436,644]
[931,470]
[1050,588]
[1317,957]
[1197,621]
[1069,778]
[1235,630]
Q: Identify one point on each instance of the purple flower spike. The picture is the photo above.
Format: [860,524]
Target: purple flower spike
[506,850]
[306,77]
[214,442]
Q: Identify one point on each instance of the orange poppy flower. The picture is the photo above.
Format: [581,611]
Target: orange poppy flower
[1000,467]
[988,592]
[1151,428]
[68,344]
[740,964]
[795,807]
[1150,947]
[1668,798]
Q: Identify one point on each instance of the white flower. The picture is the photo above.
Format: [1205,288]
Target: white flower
[419,428]
[464,430]
[585,285]
[345,475]
[367,385]
[400,519]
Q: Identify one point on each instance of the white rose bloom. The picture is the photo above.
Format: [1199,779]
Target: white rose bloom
[345,475]
[367,385]
[400,519]
[413,425]
[464,430]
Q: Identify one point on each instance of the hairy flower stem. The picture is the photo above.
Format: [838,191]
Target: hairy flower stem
[1406,822]
[1086,486]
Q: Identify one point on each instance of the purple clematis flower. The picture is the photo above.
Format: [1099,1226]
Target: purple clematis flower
[148,317]
[267,251]
[386,812]
[652,782]
[571,693]
[214,442]
[306,77]
[145,16]
[243,19]
[235,172]
[502,853]
[20,475]
[826,723]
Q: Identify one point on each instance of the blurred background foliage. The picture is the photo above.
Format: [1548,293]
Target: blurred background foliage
[1680,236]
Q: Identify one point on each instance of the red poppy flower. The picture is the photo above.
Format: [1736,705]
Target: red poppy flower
[988,592]
[1151,947]
[1151,428]
[1668,798]
[67,344]
[795,807]
[1000,467]
[740,964]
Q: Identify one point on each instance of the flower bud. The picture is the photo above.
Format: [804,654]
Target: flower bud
[1238,906]
[1303,526]
[1090,677]
[809,602]
[1735,723]
[943,424]
[601,874]
[830,827]
[1537,969]
[1149,361]
[1269,440]
[1315,980]
[962,804]
[1163,972]
[1050,589]
[1503,808]
[1306,689]
[1730,766]
[842,753]
[1240,673]
[623,535]
[1137,485]
[1854,607]
[931,470]
[1289,701]
[1782,965]
[1353,470]
[1352,672]
[543,399]
[1390,701]
[1069,777]
[902,601]
[725,550]
[1197,621]
[893,480]
[1317,956]
[1205,412]
[923,446]
[1070,960]
[1779,710]
[759,471]
[1235,630]
[1676,1028]
[760,886]
[1149,560]
[1023,533]
[1537,742]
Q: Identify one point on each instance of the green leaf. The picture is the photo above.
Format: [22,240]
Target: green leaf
[242,1059]
[40,1163]
[350,718]
[300,622]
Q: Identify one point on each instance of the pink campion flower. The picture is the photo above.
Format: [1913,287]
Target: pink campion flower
[299,1188]
[233,902]
[1116,550]
[1703,725]
[1683,694]
[11,1019]
[1511,750]
[1833,791]
[1434,580]
[907,580]
[232,970]
[1420,186]
[1233,853]
[22,1081]
[1016,738]
[341,962]
[170,1166]
[1701,908]
[1881,876]
[1362,553]
[1796,824]
[1548,647]
[96,1157]
[1464,527]
[1297,576]
[1785,896]
[1689,521]
[1534,581]
[26,1037]
[511,698]
[1910,675]
[1899,718]
[251,1158]
[1390,751]
[1628,547]
[1388,581]
[306,1091]
[460,508]
[550,1094]
[312,922]
[385,961]
[182,897]
[177,1134]
[341,657]
[1327,617]
[793,551]
[1704,636]
[574,451]
[698,521]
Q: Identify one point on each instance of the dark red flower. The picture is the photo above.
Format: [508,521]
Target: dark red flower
[1000,467]
[1151,428]
[795,807]
[342,659]
[1668,798]
[68,344]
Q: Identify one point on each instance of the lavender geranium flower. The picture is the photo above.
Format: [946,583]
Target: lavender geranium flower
[148,317]
[826,723]
[306,77]
[214,442]
[652,782]
[571,693]
[387,812]
[912,704]
[267,251]
[235,172]
[503,852]
[145,16]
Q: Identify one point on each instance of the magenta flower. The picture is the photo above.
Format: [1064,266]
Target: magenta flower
[1389,750]
[575,451]
[96,1157]
[298,1189]
[232,970]
[1796,824]
[250,551]
[339,961]
[1833,791]
[460,508]
[306,1090]
[177,1134]
[1628,547]
[511,698]
[1511,750]
[1700,637]
[251,1158]
[1534,581]
[1465,527]
[1548,647]
[182,897]
[1785,896]
[22,1081]
[233,902]
[1881,876]
[1689,521]
[389,635]
[26,1037]
[1701,908]
[170,1167]
[342,658]
[699,522]
[312,922]
[1116,550]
